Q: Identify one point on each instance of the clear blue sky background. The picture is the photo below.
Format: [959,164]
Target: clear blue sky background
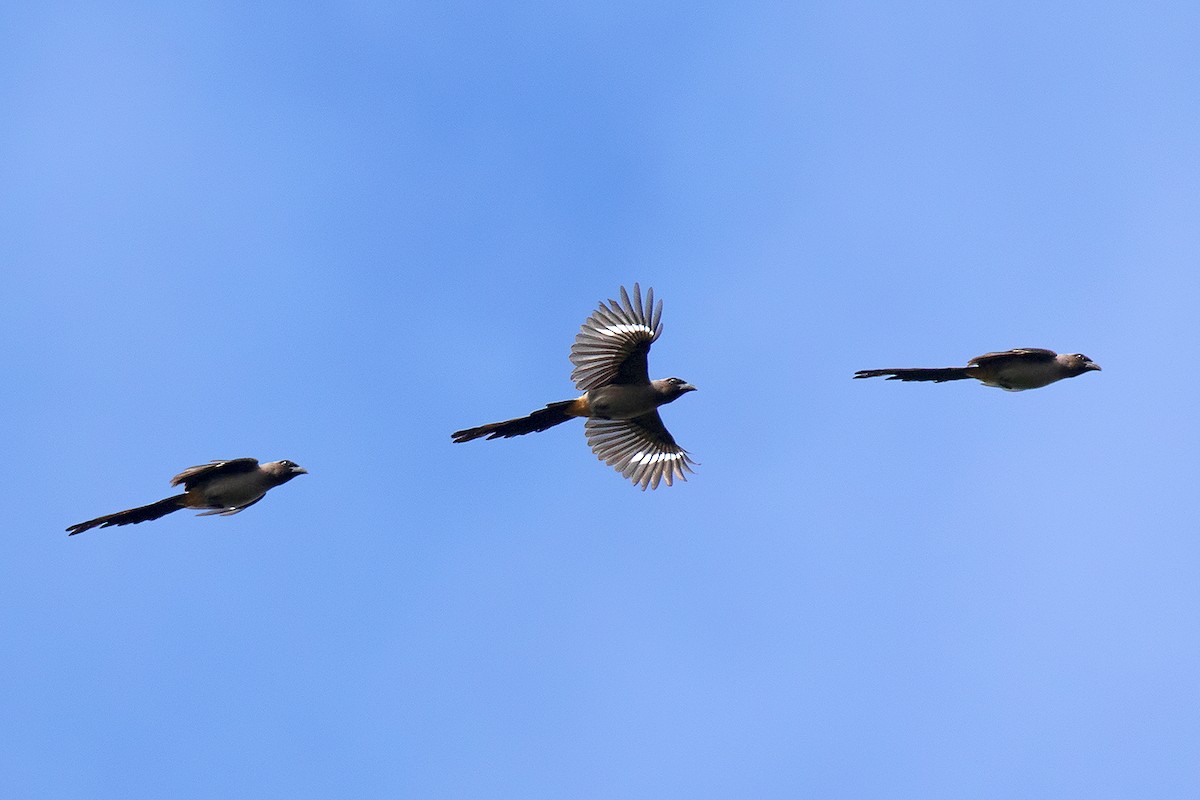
[336,233]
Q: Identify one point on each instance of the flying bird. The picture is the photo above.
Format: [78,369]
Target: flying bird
[225,487]
[619,401]
[1014,370]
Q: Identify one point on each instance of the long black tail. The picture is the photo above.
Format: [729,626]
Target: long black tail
[132,516]
[540,420]
[937,375]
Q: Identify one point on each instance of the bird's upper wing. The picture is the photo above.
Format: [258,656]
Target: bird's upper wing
[611,346]
[641,449]
[214,469]
[1028,355]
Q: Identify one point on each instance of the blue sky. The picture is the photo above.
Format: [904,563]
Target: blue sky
[336,233]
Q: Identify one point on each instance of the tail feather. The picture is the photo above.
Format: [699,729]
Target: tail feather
[937,375]
[132,516]
[540,420]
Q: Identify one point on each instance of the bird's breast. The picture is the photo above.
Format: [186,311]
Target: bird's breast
[230,490]
[622,401]
[1021,376]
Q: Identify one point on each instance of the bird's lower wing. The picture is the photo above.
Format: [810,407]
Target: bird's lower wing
[227,512]
[641,449]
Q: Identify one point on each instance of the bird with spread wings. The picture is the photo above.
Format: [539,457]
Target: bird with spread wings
[620,402]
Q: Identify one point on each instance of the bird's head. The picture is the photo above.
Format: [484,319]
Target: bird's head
[284,470]
[672,388]
[1078,363]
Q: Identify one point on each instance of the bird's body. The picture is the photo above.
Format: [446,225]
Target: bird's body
[1012,370]
[619,401]
[221,487]
[227,491]
[625,401]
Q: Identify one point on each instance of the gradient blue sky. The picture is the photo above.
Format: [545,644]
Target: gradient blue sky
[335,233]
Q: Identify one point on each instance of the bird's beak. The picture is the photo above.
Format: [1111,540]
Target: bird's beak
[687,387]
[299,471]
[1093,365]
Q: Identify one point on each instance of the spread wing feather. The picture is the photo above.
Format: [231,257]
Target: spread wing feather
[641,449]
[612,344]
